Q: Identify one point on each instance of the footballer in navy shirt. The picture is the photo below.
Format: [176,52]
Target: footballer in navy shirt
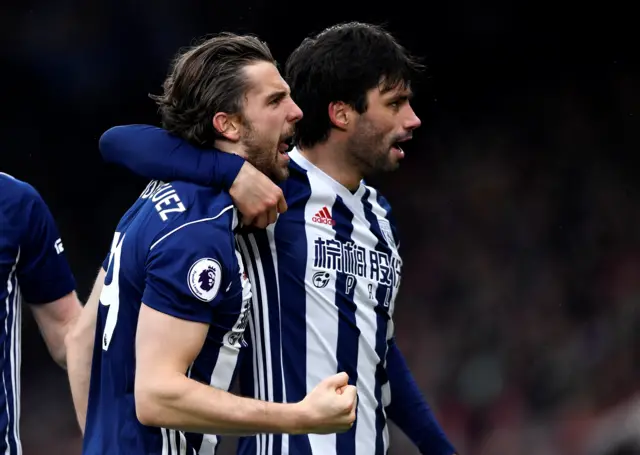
[33,267]
[169,309]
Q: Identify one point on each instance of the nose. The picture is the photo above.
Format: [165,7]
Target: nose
[412,121]
[295,113]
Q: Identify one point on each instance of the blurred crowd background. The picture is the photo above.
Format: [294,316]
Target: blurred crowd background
[518,202]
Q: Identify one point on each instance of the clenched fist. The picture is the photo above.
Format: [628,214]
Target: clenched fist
[330,407]
[258,199]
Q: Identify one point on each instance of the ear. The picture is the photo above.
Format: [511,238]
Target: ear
[340,114]
[227,125]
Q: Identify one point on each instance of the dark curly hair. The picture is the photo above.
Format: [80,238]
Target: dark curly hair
[342,63]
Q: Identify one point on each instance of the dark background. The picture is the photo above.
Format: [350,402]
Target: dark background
[517,202]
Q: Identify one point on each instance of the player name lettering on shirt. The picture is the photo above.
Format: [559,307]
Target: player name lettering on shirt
[165,197]
[353,259]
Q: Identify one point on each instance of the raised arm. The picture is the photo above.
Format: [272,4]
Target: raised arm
[155,154]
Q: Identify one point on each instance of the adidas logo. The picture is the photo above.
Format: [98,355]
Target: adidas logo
[324,217]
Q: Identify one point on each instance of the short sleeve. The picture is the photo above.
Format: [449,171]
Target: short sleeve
[187,271]
[44,274]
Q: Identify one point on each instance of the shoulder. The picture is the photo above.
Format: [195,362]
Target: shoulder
[217,228]
[381,207]
[376,198]
[296,188]
[196,201]
[202,249]
[206,223]
[20,203]
[169,218]
[176,206]
[13,190]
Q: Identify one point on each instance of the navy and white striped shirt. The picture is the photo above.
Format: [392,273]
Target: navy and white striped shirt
[32,265]
[175,251]
[325,277]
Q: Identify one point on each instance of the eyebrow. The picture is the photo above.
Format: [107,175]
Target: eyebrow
[277,96]
[402,96]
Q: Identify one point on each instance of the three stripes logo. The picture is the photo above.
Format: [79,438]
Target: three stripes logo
[324,217]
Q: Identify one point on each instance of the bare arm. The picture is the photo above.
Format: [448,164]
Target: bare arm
[79,341]
[165,348]
[55,319]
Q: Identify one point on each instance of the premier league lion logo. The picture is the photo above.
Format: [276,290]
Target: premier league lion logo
[205,277]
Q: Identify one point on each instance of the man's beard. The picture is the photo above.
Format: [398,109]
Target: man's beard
[263,154]
[369,150]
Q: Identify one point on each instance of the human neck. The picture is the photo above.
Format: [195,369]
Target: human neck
[331,157]
[231,147]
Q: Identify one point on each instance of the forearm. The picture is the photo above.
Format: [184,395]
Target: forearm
[55,339]
[409,409]
[55,320]
[79,358]
[58,349]
[154,153]
[187,405]
[79,343]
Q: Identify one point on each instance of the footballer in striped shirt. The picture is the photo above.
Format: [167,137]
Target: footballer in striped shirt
[326,274]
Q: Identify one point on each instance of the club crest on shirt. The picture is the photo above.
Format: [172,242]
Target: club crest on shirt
[205,276]
[385,227]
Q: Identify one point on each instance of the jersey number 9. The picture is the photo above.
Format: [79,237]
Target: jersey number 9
[110,296]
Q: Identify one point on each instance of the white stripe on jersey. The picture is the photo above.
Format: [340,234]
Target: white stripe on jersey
[222,212]
[225,366]
[370,335]
[321,327]
[165,441]
[322,315]
[172,442]
[13,302]
[366,320]
[221,379]
[256,274]
[16,365]
[264,386]
[274,255]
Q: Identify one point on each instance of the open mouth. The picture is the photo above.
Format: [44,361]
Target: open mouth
[396,147]
[285,145]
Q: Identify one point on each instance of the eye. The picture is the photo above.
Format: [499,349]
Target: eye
[399,102]
[276,99]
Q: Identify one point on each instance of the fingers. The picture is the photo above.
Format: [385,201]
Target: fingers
[282,204]
[337,381]
[261,221]
[247,220]
[272,215]
[265,218]
[351,393]
[257,198]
